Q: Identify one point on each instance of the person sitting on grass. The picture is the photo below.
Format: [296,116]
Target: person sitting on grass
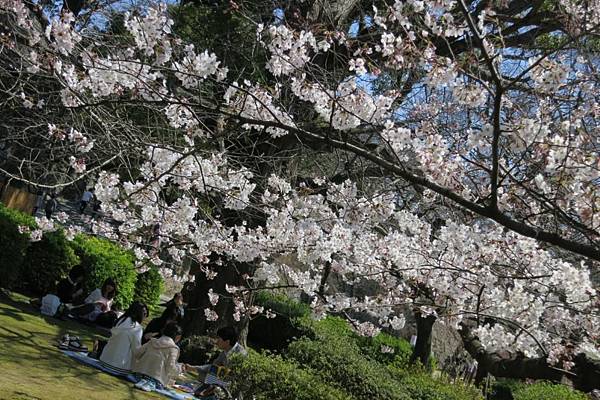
[227,341]
[155,363]
[97,307]
[125,339]
[69,289]
[171,313]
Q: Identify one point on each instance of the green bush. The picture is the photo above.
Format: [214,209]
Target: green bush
[197,350]
[547,391]
[276,333]
[281,304]
[148,288]
[421,386]
[48,261]
[339,363]
[13,245]
[387,349]
[356,365]
[326,328]
[266,377]
[103,259]
[512,389]
[503,388]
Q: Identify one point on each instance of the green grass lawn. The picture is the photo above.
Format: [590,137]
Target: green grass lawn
[31,367]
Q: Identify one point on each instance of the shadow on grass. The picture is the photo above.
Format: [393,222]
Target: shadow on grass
[29,356]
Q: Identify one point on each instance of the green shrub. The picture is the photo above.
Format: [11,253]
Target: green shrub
[387,349]
[13,245]
[48,261]
[356,365]
[148,288]
[326,328]
[266,377]
[281,304]
[503,388]
[547,391]
[421,386]
[196,350]
[276,333]
[103,259]
[339,363]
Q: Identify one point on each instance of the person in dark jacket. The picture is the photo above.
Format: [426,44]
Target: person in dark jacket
[70,288]
[51,206]
[154,329]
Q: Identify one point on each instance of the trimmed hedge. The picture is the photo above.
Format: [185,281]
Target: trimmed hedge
[281,304]
[276,333]
[421,386]
[512,389]
[267,377]
[387,349]
[48,261]
[13,245]
[103,259]
[39,265]
[349,362]
[148,287]
[547,391]
[339,363]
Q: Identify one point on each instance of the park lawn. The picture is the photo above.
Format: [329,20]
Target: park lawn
[31,367]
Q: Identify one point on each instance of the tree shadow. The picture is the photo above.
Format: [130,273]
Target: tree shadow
[25,342]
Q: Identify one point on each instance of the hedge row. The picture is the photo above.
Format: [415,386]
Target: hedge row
[37,266]
[511,389]
[327,359]
[330,361]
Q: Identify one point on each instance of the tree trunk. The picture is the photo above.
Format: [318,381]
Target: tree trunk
[422,350]
[75,6]
[585,375]
[195,322]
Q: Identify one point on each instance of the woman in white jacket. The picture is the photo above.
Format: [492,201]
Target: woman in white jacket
[156,361]
[125,340]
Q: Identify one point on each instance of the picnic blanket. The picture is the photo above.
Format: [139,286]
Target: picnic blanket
[92,362]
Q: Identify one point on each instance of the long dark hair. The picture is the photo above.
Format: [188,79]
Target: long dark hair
[76,273]
[137,311]
[172,330]
[170,313]
[109,282]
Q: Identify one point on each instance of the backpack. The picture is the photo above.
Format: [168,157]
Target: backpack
[50,305]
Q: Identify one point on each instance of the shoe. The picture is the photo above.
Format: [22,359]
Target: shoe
[75,344]
[63,344]
[146,385]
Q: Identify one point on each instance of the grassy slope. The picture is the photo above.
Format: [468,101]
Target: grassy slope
[31,367]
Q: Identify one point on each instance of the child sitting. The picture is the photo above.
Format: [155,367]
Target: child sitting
[125,339]
[226,340]
[156,362]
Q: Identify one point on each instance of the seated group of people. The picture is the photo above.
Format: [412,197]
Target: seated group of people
[69,298]
[151,354]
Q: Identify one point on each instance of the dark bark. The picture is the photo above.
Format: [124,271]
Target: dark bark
[75,6]
[422,350]
[585,375]
[588,373]
[195,322]
[591,250]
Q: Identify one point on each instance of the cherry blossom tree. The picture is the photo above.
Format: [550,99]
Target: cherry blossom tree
[445,150]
